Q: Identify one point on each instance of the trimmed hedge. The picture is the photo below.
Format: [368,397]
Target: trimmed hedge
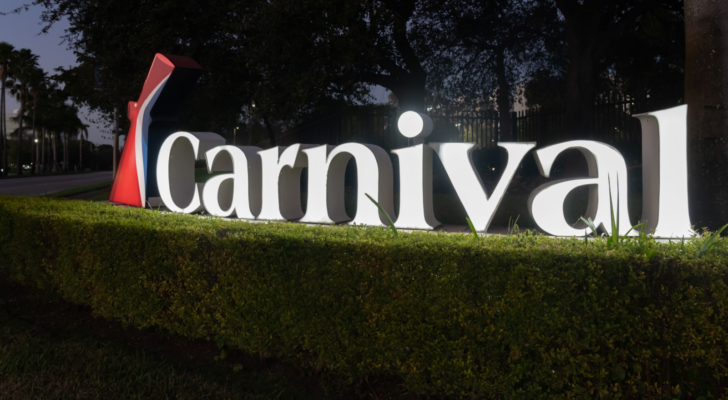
[523,316]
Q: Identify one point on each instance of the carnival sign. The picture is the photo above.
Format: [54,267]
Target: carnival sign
[157,168]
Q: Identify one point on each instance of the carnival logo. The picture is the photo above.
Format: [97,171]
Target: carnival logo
[157,168]
[153,118]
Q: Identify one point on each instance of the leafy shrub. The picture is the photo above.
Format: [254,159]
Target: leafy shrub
[506,317]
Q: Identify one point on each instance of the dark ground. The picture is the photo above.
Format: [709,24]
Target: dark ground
[51,349]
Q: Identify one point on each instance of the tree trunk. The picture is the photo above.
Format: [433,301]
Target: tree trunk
[271,134]
[582,22]
[43,152]
[4,130]
[64,144]
[411,95]
[3,144]
[580,88]
[20,133]
[580,92]
[503,98]
[35,141]
[80,151]
[410,80]
[55,157]
[116,139]
[706,94]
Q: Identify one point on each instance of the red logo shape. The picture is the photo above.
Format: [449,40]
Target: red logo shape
[153,117]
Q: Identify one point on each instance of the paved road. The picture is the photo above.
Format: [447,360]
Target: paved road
[36,186]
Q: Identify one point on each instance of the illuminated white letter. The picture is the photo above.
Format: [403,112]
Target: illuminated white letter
[546,203]
[665,172]
[176,169]
[282,183]
[326,167]
[237,192]
[415,188]
[414,125]
[456,157]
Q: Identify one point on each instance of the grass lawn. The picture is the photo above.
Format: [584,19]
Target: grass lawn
[101,196]
[54,350]
[79,190]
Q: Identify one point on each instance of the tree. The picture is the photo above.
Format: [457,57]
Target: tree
[380,38]
[37,84]
[67,123]
[55,118]
[546,88]
[591,27]
[340,46]
[49,97]
[293,58]
[82,132]
[706,93]
[116,40]
[23,65]
[484,48]
[6,54]
[649,60]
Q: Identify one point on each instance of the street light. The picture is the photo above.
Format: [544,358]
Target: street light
[235,131]
[249,130]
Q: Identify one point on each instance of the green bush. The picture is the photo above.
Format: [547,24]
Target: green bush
[502,317]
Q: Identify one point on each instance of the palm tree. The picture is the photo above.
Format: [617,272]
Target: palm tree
[64,120]
[48,99]
[37,85]
[82,131]
[54,117]
[23,65]
[72,123]
[53,125]
[6,53]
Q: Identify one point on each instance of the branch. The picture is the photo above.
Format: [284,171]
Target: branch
[399,33]
[568,8]
[478,45]
[386,81]
[392,67]
[471,62]
[626,21]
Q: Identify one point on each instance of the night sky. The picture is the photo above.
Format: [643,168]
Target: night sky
[24,31]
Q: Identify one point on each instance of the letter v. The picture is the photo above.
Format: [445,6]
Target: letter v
[456,157]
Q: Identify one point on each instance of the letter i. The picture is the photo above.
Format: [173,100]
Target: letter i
[415,175]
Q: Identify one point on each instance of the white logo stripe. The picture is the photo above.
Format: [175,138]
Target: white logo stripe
[144,119]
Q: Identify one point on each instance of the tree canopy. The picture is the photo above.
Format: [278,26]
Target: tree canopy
[298,59]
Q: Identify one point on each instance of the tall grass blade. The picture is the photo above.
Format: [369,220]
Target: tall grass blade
[615,232]
[472,228]
[389,220]
[513,228]
[590,224]
[630,230]
[711,241]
